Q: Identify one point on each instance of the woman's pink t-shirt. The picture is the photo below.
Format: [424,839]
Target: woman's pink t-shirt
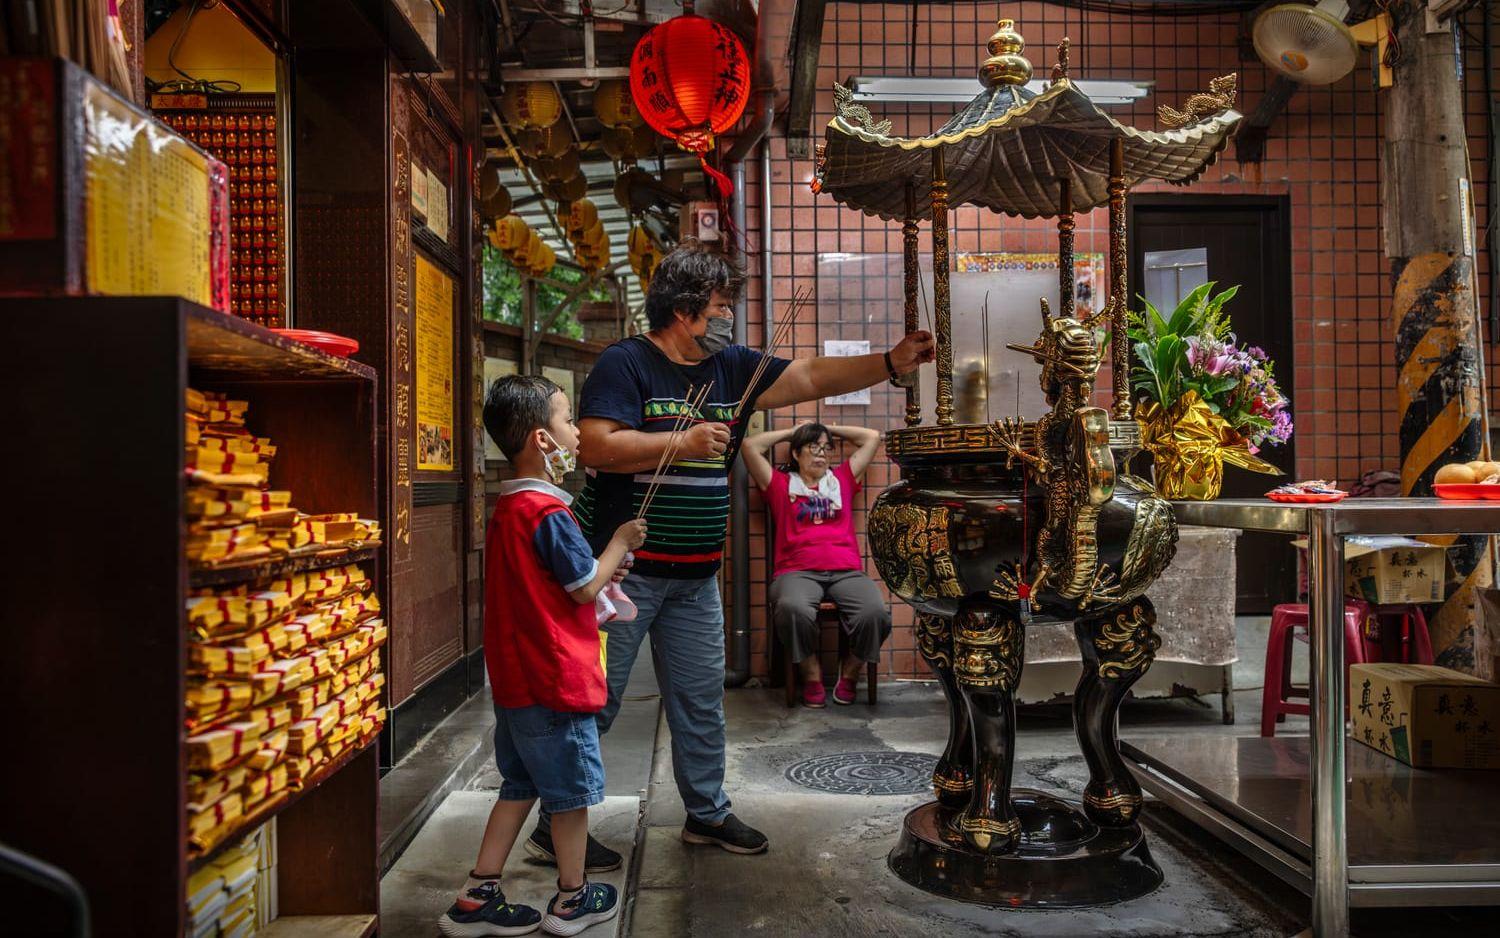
[810,535]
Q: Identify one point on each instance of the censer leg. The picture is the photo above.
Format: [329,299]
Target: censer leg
[988,650]
[1117,649]
[953,777]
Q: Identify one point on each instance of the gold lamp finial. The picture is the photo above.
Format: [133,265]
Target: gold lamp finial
[1006,65]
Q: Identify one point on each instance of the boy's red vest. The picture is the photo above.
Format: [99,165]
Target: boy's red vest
[540,646]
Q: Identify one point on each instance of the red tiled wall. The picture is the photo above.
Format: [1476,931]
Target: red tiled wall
[1323,153]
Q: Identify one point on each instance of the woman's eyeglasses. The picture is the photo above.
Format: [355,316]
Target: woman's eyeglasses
[818,449]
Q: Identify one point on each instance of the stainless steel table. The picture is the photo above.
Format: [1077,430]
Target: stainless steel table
[1424,838]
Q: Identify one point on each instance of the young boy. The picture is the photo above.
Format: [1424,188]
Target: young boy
[541,646]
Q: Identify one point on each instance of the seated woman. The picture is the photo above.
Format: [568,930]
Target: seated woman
[816,554]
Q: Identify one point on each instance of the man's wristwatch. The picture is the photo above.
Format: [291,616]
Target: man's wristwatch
[890,369]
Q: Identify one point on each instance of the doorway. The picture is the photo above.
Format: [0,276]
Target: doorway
[1178,242]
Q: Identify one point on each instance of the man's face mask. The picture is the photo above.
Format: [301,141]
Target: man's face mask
[718,336]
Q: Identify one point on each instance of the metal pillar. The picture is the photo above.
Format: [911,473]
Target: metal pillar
[1330,860]
[942,307]
[912,272]
[1118,296]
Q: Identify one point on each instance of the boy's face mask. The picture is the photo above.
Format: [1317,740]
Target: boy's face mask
[560,461]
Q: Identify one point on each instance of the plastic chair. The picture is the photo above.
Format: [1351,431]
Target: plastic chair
[1289,621]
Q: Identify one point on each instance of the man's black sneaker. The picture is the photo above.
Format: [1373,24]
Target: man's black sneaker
[494,917]
[733,835]
[594,903]
[596,859]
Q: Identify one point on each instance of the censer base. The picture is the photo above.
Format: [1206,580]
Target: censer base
[1064,860]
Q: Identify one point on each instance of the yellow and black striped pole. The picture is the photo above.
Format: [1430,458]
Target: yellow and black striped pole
[1440,399]
[1429,238]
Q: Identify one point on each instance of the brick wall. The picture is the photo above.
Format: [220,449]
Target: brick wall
[1323,154]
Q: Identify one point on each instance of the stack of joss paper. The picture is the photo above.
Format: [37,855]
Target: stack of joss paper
[223,898]
[284,677]
[230,511]
[233,516]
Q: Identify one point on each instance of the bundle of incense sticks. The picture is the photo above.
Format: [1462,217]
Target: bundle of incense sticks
[695,400]
[782,333]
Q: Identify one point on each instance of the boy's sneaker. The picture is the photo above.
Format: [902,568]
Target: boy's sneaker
[493,915]
[733,835]
[597,858]
[843,692]
[594,903]
[813,695]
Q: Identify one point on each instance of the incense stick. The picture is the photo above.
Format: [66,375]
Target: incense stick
[782,332]
[779,335]
[674,443]
[661,461]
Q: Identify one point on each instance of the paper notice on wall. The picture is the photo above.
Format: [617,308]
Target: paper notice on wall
[437,206]
[418,190]
[494,369]
[563,378]
[434,329]
[844,348]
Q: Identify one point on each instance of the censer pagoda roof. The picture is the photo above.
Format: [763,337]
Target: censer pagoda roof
[1007,150]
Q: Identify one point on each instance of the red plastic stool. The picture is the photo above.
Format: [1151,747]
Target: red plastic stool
[1398,633]
[1287,620]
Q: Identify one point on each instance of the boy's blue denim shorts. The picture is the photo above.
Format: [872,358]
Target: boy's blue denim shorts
[549,755]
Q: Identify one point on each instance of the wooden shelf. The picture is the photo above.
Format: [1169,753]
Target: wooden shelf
[320,926]
[249,573]
[227,348]
[107,379]
[278,805]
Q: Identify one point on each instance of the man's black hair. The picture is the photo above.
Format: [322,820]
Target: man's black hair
[804,435]
[684,280]
[515,406]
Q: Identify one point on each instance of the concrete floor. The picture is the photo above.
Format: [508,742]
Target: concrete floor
[826,874]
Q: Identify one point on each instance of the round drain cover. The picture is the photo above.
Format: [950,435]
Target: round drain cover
[866,773]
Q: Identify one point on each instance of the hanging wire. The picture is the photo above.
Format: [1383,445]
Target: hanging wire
[189,84]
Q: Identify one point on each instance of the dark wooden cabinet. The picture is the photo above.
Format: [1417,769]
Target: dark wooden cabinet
[94,640]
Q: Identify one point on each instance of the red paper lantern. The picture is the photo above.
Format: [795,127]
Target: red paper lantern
[690,78]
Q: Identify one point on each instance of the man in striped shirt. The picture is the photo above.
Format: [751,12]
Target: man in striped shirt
[628,408]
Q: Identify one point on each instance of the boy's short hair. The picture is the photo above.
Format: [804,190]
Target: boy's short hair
[514,407]
[684,280]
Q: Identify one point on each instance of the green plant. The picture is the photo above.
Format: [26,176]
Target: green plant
[1194,351]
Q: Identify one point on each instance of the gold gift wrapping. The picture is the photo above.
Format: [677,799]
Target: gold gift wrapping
[1190,444]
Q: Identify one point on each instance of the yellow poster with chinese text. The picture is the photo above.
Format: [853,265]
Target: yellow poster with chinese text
[434,378]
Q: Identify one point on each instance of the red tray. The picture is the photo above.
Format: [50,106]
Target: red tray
[1467,491]
[335,345]
[1320,498]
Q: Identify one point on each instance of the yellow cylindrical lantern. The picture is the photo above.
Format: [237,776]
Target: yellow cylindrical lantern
[511,233]
[614,105]
[496,204]
[558,167]
[569,190]
[530,105]
[545,142]
[582,215]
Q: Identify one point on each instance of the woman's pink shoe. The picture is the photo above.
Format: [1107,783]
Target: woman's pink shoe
[813,695]
[843,692]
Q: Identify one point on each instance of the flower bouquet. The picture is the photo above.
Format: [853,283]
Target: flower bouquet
[1202,400]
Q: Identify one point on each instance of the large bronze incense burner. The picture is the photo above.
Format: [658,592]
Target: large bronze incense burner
[996,526]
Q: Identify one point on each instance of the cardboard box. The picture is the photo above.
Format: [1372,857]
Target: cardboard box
[1426,716]
[1389,570]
